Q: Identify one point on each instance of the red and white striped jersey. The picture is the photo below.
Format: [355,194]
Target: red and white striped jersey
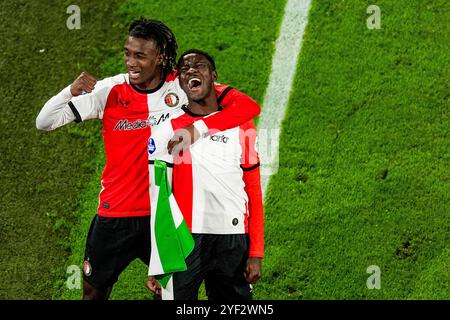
[207,178]
[128,115]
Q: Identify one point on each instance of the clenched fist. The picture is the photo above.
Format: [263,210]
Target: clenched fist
[84,83]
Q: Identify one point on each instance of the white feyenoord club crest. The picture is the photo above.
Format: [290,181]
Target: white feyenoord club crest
[171,99]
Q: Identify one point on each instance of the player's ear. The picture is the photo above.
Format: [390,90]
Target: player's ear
[214,75]
[160,59]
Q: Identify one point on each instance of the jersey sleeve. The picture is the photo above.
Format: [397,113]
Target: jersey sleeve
[238,108]
[56,112]
[64,108]
[91,105]
[248,140]
[252,179]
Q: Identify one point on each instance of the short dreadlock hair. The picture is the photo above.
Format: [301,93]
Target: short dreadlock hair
[196,51]
[162,36]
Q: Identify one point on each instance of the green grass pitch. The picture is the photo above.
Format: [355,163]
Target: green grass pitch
[364,147]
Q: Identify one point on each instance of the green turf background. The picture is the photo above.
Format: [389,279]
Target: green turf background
[243,57]
[364,153]
[42,174]
[364,147]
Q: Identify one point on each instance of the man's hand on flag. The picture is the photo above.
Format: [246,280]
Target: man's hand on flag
[153,285]
[172,241]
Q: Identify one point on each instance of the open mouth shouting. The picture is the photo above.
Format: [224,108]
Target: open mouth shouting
[194,84]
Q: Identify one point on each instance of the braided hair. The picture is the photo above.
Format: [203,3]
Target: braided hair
[162,36]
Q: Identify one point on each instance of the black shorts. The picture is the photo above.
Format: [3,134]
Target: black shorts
[220,260]
[112,244]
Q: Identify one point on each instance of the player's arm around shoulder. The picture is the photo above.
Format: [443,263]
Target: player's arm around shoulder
[238,108]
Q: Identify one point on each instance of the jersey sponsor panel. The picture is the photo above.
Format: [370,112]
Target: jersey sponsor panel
[128,115]
[207,179]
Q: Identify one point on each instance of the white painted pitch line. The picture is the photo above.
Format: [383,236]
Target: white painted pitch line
[284,64]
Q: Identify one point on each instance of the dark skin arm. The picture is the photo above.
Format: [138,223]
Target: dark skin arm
[253,270]
[153,285]
[182,139]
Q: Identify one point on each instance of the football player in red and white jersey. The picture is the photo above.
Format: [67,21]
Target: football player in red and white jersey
[216,183]
[130,105]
